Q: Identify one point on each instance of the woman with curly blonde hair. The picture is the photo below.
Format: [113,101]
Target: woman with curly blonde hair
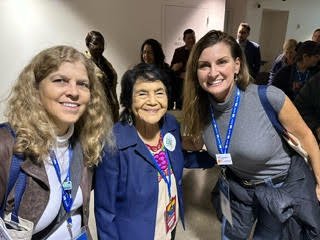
[60,122]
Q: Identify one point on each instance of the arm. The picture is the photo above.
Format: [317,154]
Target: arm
[199,159]
[282,80]
[106,183]
[276,66]
[293,122]
[176,63]
[194,155]
[257,60]
[114,73]
[6,146]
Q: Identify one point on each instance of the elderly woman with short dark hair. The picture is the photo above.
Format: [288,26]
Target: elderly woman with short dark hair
[138,192]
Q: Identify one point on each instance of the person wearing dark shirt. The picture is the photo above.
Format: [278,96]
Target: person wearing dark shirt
[250,49]
[284,59]
[105,72]
[308,104]
[291,78]
[178,65]
[152,53]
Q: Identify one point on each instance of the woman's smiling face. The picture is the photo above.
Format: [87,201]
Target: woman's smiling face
[216,70]
[149,101]
[65,94]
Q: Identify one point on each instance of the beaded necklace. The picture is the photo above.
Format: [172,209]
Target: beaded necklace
[157,147]
[159,156]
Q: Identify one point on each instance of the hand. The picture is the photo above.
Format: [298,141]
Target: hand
[318,191]
[177,66]
[191,143]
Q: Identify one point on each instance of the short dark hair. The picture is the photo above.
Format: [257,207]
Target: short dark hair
[157,51]
[246,26]
[317,30]
[310,48]
[147,72]
[187,31]
[93,35]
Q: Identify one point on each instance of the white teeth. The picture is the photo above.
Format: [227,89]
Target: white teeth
[70,104]
[215,82]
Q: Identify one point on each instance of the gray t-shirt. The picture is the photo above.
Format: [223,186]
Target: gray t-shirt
[256,149]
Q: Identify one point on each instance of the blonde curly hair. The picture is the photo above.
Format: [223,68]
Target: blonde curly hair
[34,129]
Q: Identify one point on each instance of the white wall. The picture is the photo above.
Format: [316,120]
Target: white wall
[29,26]
[303,17]
[236,10]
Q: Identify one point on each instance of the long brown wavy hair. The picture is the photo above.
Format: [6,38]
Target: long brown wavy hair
[34,129]
[196,104]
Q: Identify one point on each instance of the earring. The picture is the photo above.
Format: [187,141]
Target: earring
[129,119]
[236,77]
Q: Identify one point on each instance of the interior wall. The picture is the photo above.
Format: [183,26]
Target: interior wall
[29,26]
[272,36]
[303,17]
[235,14]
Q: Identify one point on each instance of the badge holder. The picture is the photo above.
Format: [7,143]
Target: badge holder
[224,159]
[170,214]
[225,199]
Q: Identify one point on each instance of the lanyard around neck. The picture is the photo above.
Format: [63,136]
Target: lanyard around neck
[66,185]
[224,148]
[162,173]
[303,76]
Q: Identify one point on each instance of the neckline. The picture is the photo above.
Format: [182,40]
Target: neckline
[227,104]
[64,139]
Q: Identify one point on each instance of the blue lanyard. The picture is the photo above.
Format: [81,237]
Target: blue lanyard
[66,185]
[305,75]
[162,173]
[224,149]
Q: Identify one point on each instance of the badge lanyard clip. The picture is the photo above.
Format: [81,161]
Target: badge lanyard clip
[66,187]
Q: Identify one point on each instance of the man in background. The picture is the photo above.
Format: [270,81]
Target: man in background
[105,72]
[179,63]
[250,49]
[316,35]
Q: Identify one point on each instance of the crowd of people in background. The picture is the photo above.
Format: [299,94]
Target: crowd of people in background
[66,135]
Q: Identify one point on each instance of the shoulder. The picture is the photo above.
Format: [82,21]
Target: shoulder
[253,44]
[7,139]
[276,97]
[125,135]
[170,122]
[314,81]
[179,49]
[169,118]
[284,71]
[6,151]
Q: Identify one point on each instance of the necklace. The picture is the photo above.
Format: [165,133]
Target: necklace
[159,156]
[161,160]
[157,147]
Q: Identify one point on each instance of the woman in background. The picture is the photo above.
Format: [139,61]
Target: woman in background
[284,59]
[291,78]
[151,53]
